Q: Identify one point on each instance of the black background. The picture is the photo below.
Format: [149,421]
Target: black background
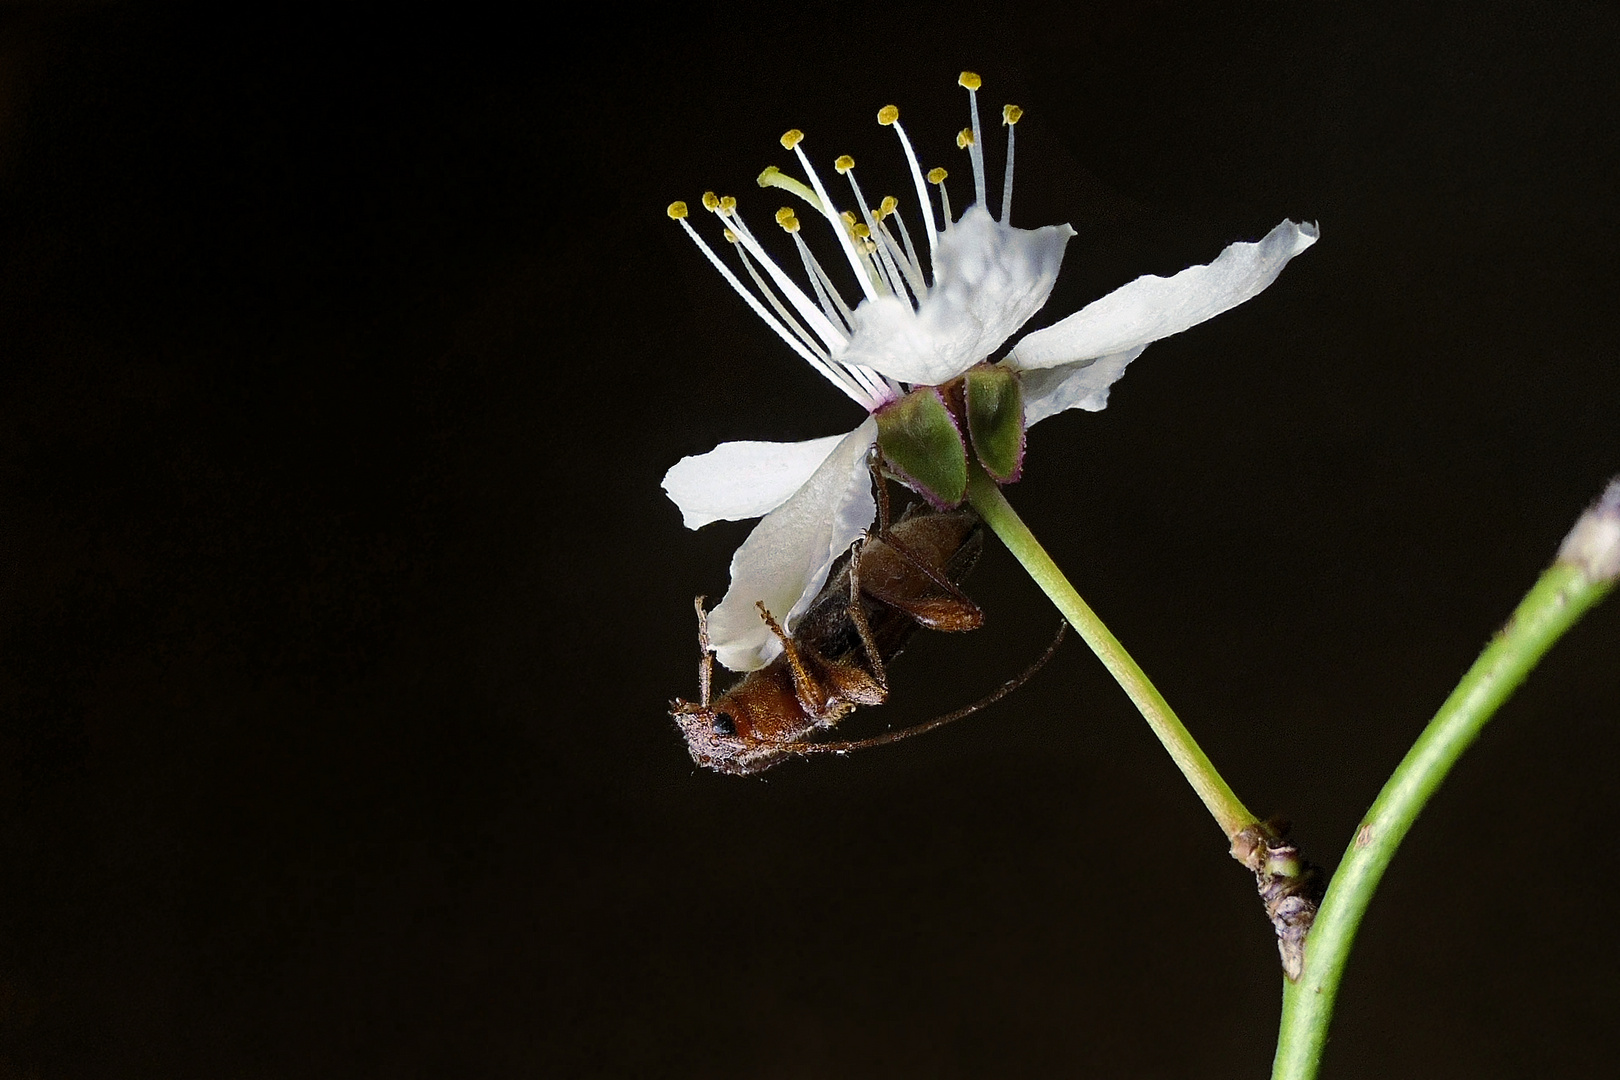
[340,359]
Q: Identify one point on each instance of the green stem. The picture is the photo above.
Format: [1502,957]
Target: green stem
[1230,813]
[1558,599]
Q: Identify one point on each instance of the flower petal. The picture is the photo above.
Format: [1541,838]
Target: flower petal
[738,480]
[785,560]
[1081,385]
[989,279]
[1153,307]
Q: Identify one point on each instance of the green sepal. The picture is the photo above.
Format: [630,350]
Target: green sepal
[995,420]
[921,445]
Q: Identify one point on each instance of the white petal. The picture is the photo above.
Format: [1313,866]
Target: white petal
[989,279]
[1082,385]
[1152,307]
[739,480]
[785,560]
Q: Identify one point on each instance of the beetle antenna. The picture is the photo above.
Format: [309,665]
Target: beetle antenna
[940,721]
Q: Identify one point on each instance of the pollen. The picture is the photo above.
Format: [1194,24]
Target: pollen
[711,201]
[964,139]
[677,210]
[844,164]
[935,176]
[791,138]
[1011,114]
[888,115]
[969,80]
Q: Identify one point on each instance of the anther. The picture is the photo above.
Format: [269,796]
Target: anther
[935,176]
[727,205]
[731,237]
[964,139]
[677,210]
[792,138]
[844,164]
[888,115]
[1011,114]
[888,206]
[969,80]
[848,216]
[711,201]
[786,218]
[861,230]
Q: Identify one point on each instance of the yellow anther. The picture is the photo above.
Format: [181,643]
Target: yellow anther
[964,138]
[731,237]
[711,201]
[969,80]
[844,164]
[727,205]
[888,206]
[848,216]
[1011,114]
[867,247]
[792,138]
[888,115]
[862,231]
[786,218]
[677,210]
[937,176]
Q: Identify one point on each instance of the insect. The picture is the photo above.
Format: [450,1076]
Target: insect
[904,577]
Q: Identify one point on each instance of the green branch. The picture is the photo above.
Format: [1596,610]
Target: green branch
[1585,572]
[1224,805]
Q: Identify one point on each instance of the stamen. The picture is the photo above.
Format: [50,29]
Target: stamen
[774,177]
[1010,115]
[937,176]
[676,210]
[791,140]
[825,290]
[890,208]
[781,309]
[889,116]
[826,295]
[897,258]
[865,400]
[830,334]
[972,82]
[891,273]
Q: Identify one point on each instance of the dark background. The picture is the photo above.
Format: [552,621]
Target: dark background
[340,359]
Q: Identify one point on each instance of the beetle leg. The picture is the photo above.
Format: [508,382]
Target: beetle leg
[874,461]
[806,686]
[857,615]
[706,664]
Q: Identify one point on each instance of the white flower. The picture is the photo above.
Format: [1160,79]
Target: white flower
[919,322]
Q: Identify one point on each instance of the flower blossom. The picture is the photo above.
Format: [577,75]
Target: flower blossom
[927,314]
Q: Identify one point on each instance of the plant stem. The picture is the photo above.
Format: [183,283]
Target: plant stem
[1558,599]
[1229,813]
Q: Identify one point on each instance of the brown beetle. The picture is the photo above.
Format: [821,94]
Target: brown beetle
[876,597]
